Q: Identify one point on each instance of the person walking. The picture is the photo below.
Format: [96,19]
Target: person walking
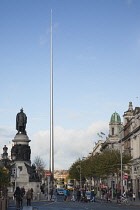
[29,197]
[78,195]
[73,196]
[139,194]
[22,194]
[68,195]
[65,194]
[107,196]
[32,191]
[92,196]
[134,196]
[17,195]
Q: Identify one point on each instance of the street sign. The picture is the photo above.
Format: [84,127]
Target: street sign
[48,174]
[125,176]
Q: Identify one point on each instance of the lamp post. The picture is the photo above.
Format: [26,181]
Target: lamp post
[80,178]
[121,170]
[91,155]
[79,166]
[14,170]
[5,155]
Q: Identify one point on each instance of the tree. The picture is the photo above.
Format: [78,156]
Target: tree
[4,179]
[40,166]
[75,170]
[100,165]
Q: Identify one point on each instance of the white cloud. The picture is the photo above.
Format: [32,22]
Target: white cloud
[69,145]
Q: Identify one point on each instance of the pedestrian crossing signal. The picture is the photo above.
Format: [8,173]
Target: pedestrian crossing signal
[14,172]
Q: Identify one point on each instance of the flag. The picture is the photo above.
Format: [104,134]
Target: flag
[102,133]
[99,135]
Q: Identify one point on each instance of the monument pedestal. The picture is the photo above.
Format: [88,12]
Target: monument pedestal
[23,174]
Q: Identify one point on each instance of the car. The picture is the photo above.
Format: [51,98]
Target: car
[60,192]
[88,195]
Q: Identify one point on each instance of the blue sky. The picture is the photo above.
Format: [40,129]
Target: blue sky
[96,61]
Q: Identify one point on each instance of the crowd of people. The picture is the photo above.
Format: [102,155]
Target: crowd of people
[20,193]
[108,194]
[79,195]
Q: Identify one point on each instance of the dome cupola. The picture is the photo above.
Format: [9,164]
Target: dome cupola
[115,118]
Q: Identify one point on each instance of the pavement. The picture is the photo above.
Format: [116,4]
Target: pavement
[98,199]
[136,202]
[12,204]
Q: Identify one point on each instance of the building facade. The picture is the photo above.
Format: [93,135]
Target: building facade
[130,140]
[125,137]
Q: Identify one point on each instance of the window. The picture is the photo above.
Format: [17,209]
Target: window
[112,131]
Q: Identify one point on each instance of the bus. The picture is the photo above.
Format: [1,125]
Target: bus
[71,184]
[60,183]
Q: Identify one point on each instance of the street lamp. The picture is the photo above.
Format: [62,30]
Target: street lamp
[5,154]
[121,170]
[79,166]
[13,156]
[14,170]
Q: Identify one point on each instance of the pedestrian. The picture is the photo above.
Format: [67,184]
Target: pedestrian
[17,195]
[134,196]
[78,195]
[32,191]
[29,197]
[139,194]
[92,196]
[106,196]
[114,194]
[68,195]
[51,193]
[109,197]
[83,195]
[124,194]
[22,194]
[130,195]
[65,194]
[73,197]
[118,196]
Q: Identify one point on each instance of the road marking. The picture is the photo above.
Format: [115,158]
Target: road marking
[48,204]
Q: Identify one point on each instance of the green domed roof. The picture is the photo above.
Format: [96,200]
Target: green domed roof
[115,117]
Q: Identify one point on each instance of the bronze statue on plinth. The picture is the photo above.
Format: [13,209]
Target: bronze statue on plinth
[21,121]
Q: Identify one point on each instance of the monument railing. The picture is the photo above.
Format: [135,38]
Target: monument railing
[3,199]
[3,203]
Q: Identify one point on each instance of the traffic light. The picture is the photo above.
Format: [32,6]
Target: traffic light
[14,172]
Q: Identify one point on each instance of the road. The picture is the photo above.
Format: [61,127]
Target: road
[60,204]
[83,206]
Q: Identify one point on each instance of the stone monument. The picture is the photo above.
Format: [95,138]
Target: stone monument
[23,173]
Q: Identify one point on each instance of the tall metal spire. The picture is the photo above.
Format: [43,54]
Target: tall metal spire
[51,104]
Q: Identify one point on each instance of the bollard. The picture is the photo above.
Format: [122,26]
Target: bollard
[4,204]
[38,196]
[0,204]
